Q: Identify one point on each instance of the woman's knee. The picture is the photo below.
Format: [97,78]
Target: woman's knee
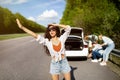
[55,77]
[67,76]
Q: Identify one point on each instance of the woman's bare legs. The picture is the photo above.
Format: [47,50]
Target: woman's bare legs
[55,77]
[67,76]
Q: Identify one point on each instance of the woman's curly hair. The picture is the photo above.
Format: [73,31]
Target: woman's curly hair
[48,36]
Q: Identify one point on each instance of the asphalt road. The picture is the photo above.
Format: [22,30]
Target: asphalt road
[25,59]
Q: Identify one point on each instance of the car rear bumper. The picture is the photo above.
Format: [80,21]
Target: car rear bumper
[83,53]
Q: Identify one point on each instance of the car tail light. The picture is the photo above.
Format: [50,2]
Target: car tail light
[85,46]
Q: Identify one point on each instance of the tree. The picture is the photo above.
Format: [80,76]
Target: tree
[8,22]
[93,16]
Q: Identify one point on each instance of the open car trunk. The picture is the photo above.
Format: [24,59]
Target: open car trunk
[74,43]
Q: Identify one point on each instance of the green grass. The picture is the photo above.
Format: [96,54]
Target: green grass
[10,36]
[115,59]
[114,64]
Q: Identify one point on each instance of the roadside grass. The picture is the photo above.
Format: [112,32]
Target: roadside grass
[114,64]
[115,68]
[11,36]
[115,59]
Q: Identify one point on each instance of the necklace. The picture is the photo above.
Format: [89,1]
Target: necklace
[55,41]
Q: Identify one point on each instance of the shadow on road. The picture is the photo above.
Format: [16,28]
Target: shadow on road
[77,59]
[72,73]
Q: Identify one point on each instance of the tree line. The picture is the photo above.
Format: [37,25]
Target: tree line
[95,17]
[8,22]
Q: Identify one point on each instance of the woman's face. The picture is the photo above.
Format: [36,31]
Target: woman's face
[52,31]
[100,37]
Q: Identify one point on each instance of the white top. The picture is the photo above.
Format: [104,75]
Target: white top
[49,45]
[98,47]
[107,40]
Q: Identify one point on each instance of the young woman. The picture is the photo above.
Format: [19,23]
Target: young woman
[55,45]
[110,46]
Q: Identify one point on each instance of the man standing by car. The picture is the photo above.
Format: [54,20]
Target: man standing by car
[110,46]
[91,39]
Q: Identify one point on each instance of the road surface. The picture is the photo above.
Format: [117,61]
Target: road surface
[25,59]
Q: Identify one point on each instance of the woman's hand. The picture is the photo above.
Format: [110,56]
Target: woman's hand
[19,24]
[25,29]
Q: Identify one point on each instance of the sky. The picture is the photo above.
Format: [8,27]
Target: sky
[43,12]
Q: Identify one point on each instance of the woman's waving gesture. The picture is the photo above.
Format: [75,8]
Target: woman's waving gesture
[25,29]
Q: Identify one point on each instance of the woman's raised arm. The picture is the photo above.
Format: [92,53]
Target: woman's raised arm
[60,25]
[26,30]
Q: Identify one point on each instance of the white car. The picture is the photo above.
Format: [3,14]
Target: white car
[75,44]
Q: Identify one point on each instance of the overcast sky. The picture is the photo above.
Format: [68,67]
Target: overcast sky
[40,11]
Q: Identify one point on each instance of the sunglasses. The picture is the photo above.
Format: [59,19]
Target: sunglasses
[53,29]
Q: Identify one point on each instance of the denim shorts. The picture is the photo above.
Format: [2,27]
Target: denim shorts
[58,67]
